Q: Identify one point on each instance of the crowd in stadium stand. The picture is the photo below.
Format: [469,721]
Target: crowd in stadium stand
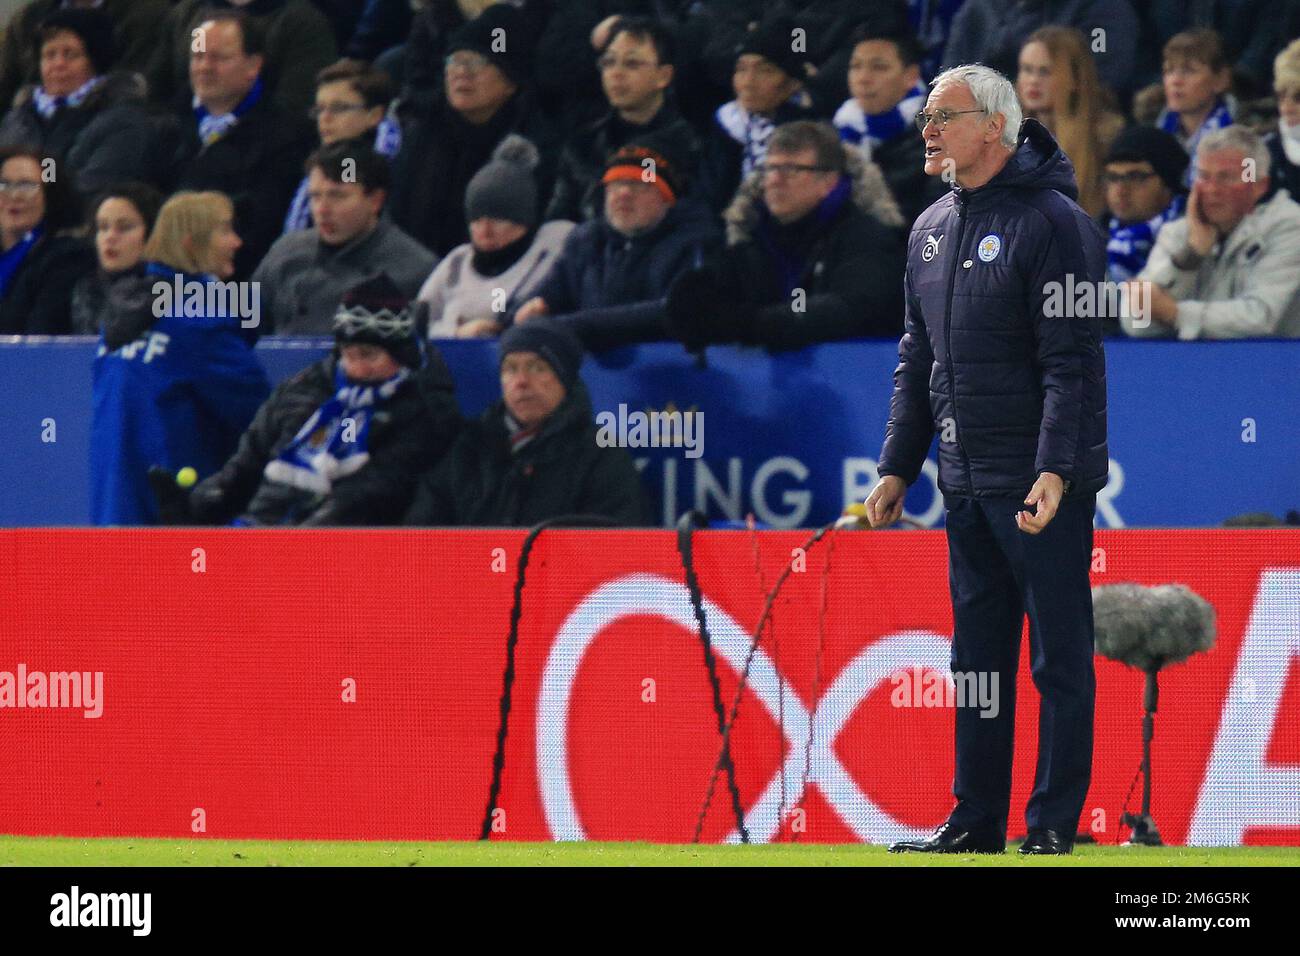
[566,175]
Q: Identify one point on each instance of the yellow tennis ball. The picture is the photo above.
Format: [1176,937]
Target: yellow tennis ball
[186,477]
[858,510]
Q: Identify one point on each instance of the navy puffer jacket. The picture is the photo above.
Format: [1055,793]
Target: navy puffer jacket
[1012,391]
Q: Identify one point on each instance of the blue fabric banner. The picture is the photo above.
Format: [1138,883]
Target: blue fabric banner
[1199,431]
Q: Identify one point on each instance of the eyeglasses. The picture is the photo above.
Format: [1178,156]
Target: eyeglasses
[607,63]
[21,188]
[1233,177]
[941,116]
[789,169]
[469,62]
[335,109]
[1132,178]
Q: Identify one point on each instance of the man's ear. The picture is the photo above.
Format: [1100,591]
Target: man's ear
[664,76]
[377,198]
[997,123]
[912,74]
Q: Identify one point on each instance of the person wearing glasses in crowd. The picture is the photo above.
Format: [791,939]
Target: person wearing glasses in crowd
[352,103]
[815,252]
[41,257]
[636,73]
[488,95]
[1230,268]
[1144,192]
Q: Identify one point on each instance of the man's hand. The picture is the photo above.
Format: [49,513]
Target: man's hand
[1201,236]
[1161,306]
[534,306]
[885,503]
[600,33]
[1046,495]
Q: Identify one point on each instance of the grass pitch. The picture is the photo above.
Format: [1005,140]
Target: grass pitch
[78,852]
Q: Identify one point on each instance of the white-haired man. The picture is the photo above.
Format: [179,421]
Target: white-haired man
[1230,268]
[1018,398]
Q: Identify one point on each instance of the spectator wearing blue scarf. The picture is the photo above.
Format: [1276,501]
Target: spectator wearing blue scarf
[887,93]
[1144,191]
[1196,78]
[175,379]
[38,262]
[234,139]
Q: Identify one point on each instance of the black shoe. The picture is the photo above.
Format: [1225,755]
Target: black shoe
[1046,843]
[951,838]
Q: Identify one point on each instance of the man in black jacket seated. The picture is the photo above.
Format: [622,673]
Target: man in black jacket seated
[533,454]
[609,281]
[636,72]
[344,440]
[815,254]
[235,140]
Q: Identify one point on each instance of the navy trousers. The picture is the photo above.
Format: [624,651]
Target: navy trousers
[998,574]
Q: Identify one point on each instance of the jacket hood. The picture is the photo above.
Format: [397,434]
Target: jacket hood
[1037,163]
[870,194]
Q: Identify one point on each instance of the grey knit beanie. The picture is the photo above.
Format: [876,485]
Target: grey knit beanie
[505,187]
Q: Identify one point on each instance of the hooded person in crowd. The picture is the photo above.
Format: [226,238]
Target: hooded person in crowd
[769,85]
[341,442]
[83,109]
[609,283]
[815,253]
[508,253]
[534,453]
[488,95]
[175,378]
[306,271]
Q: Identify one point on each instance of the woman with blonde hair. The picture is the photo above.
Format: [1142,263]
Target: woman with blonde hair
[175,379]
[1058,85]
[1284,144]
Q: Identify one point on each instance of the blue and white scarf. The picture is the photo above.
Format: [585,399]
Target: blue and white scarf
[1171,122]
[213,128]
[752,130]
[333,443]
[12,259]
[47,105]
[388,140]
[857,127]
[1131,243]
